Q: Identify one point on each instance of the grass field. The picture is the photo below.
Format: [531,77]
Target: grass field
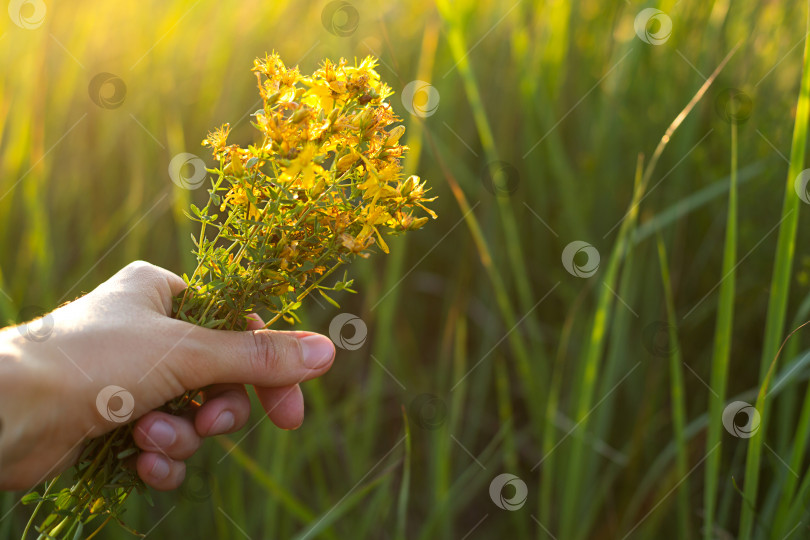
[627,382]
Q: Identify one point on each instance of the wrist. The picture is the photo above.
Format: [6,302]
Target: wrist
[23,385]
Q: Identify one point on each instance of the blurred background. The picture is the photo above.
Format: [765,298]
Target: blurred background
[525,332]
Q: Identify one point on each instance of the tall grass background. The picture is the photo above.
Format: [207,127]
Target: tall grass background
[484,356]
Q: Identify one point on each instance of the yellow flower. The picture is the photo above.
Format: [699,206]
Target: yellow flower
[304,165]
[374,215]
[237,196]
[355,245]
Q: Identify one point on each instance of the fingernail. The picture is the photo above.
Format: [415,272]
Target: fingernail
[222,424]
[317,351]
[160,469]
[162,434]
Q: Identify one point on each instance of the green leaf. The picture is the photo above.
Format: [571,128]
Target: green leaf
[328,298]
[126,453]
[79,531]
[29,498]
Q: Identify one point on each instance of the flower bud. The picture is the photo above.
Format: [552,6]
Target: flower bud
[408,185]
[300,115]
[346,161]
[333,115]
[394,135]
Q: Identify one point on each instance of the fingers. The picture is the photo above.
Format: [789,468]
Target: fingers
[284,405]
[159,471]
[226,409]
[172,436]
[260,357]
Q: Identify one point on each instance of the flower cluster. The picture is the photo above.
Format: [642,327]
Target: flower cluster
[322,184]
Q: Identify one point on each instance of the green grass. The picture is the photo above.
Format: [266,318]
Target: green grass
[530,370]
[722,347]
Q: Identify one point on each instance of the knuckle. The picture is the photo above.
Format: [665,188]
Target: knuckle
[273,353]
[140,267]
[265,354]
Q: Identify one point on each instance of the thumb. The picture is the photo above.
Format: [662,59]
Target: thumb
[258,357]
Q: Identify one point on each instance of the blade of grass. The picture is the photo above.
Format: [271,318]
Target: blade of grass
[333,513]
[548,469]
[292,505]
[405,486]
[514,250]
[722,350]
[661,466]
[385,319]
[780,287]
[801,437]
[590,364]
[695,201]
[587,375]
[677,395]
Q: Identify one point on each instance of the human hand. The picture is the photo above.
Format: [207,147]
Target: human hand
[122,334]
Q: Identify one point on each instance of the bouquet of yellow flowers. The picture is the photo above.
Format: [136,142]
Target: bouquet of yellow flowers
[321,185]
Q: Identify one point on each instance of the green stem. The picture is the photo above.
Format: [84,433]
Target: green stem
[303,294]
[37,507]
